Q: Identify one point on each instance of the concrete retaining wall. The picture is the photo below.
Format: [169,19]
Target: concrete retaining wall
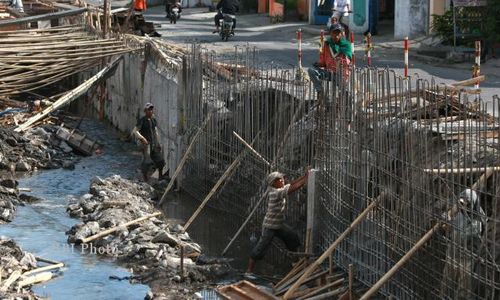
[136,81]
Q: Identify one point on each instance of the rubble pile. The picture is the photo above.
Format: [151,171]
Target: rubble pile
[13,263]
[38,148]
[152,248]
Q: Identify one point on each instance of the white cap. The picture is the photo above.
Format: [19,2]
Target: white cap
[148,105]
[273,176]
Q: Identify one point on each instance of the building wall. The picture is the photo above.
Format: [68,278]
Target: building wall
[411,18]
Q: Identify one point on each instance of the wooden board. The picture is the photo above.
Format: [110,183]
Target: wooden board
[77,140]
[243,290]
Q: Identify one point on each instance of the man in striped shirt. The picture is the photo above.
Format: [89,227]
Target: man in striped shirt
[273,225]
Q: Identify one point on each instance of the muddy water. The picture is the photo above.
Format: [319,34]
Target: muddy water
[40,227]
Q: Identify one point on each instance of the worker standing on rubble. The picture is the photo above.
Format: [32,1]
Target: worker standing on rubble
[274,220]
[147,133]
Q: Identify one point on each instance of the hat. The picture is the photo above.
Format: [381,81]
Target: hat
[273,176]
[335,27]
[148,105]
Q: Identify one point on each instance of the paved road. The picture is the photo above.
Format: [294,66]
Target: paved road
[277,44]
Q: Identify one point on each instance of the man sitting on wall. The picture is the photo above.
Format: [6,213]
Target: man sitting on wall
[336,51]
[273,225]
[147,133]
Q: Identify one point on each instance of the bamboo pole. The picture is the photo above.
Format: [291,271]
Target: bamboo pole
[251,148]
[46,268]
[470,81]
[227,174]
[118,227]
[68,97]
[332,247]
[49,16]
[184,159]
[46,260]
[12,278]
[42,277]
[481,181]
[323,288]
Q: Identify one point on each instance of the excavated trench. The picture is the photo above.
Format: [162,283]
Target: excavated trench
[40,227]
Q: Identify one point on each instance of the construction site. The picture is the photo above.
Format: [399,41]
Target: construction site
[402,193]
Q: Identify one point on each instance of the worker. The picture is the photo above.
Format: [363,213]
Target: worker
[465,239]
[147,133]
[336,50]
[140,5]
[274,220]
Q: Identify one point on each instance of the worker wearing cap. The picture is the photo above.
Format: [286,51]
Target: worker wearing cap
[273,225]
[336,51]
[146,132]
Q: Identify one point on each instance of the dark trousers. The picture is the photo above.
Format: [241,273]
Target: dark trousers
[219,16]
[285,233]
[153,159]
[318,75]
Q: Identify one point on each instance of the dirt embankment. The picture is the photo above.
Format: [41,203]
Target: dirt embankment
[151,248]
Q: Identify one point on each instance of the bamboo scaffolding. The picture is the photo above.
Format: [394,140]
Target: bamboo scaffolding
[184,159]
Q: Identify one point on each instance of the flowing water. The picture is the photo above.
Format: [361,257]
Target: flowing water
[40,227]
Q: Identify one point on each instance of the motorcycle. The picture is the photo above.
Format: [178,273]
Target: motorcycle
[226,25]
[174,15]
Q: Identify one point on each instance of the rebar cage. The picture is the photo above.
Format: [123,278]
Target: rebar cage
[428,152]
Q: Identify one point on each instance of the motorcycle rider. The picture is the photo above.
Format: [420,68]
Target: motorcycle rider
[226,7]
[170,5]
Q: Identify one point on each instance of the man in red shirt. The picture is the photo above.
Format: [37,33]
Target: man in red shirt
[335,52]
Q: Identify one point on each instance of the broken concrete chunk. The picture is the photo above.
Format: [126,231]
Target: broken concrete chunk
[165,237]
[65,147]
[10,183]
[68,165]
[28,260]
[23,166]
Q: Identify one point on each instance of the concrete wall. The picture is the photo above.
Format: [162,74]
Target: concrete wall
[411,18]
[136,81]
